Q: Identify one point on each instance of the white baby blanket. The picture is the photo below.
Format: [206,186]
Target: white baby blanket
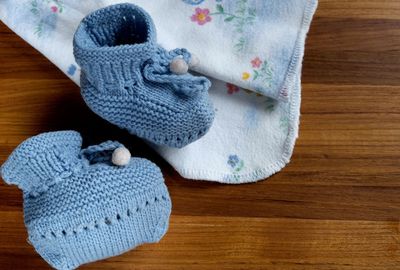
[251,48]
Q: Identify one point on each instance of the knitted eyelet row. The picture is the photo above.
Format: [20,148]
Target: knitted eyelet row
[106,221]
[178,140]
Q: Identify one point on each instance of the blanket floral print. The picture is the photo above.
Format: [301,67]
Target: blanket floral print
[240,17]
[45,13]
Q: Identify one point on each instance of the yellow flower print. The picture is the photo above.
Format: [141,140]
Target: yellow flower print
[245,76]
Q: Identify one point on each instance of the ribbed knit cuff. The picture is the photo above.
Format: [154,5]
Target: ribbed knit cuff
[104,61]
[36,162]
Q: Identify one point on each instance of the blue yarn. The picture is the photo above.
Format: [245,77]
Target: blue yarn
[80,208]
[126,78]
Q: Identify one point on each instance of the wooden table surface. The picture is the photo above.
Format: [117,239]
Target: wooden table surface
[335,206]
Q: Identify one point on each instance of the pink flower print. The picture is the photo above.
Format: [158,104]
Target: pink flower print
[232,88]
[256,62]
[54,9]
[201,16]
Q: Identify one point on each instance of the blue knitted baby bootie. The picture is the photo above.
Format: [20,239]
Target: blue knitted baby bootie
[85,205]
[135,84]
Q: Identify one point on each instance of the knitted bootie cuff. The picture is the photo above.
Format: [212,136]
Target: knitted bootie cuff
[42,160]
[117,38]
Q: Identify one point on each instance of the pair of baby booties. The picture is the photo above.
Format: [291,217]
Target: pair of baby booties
[83,205]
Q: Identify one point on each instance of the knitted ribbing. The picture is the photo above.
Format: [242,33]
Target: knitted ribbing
[43,160]
[126,78]
[96,210]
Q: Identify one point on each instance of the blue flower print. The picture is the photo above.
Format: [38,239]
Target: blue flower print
[45,14]
[235,163]
[233,160]
[193,2]
[71,70]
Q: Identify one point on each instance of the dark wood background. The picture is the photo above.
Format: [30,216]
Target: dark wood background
[335,206]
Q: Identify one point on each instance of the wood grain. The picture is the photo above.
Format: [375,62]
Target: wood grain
[335,206]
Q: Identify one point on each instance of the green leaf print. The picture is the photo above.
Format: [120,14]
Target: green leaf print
[220,8]
[241,18]
[270,104]
[262,70]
